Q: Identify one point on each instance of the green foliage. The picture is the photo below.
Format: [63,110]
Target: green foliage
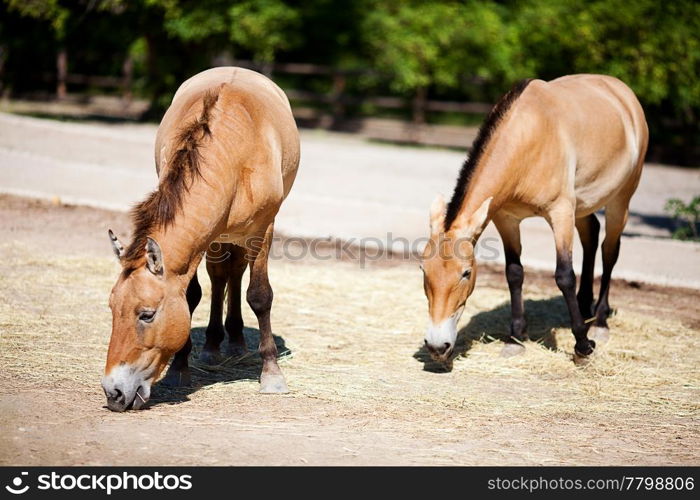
[43,10]
[261,27]
[421,44]
[62,15]
[687,215]
[264,27]
[193,21]
[652,46]
[410,47]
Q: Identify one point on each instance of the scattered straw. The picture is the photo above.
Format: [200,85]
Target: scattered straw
[349,340]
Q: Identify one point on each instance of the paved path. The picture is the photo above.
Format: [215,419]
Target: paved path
[346,188]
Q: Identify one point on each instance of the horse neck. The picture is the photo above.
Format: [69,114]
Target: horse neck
[181,253]
[491,179]
[200,220]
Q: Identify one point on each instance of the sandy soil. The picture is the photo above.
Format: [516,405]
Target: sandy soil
[362,392]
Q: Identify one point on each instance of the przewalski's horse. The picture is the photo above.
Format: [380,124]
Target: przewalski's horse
[227,152]
[561,150]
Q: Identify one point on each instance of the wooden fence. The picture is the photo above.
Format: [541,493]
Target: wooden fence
[329,110]
[338,98]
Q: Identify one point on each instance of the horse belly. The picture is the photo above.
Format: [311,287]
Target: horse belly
[595,187]
[605,148]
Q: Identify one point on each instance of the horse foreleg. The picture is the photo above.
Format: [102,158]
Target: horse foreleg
[259,298]
[218,256]
[509,229]
[179,371]
[562,221]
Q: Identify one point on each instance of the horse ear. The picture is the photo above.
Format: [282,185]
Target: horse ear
[163,159]
[474,224]
[437,214]
[154,257]
[117,246]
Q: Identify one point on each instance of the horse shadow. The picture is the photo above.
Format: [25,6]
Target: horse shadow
[663,222]
[543,316]
[247,367]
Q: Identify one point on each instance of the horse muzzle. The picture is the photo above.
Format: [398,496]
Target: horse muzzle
[440,353]
[440,339]
[126,389]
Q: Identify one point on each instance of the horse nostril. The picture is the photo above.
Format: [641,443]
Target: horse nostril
[118,395]
[439,350]
[445,348]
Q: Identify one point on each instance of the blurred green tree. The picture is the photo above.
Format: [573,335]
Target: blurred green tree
[652,46]
[194,21]
[424,44]
[411,48]
[62,18]
[264,27]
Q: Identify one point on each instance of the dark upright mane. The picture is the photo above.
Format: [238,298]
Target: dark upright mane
[485,132]
[162,205]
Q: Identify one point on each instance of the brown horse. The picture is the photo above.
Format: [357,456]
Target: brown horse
[227,152]
[560,150]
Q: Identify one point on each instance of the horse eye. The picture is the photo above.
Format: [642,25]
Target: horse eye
[147,316]
[466,274]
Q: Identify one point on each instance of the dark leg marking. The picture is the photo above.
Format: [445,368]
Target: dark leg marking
[588,229]
[566,281]
[179,371]
[218,274]
[234,319]
[509,229]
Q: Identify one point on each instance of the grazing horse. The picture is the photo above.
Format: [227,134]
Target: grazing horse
[227,152]
[560,150]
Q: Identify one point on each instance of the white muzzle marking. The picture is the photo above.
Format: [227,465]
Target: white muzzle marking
[438,335]
[130,382]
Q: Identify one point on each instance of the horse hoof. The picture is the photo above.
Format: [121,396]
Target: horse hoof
[599,334]
[512,349]
[177,378]
[210,357]
[273,384]
[581,358]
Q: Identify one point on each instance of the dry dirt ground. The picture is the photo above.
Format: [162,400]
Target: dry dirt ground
[361,390]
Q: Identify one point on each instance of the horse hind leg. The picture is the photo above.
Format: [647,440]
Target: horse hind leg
[233,324]
[179,372]
[588,230]
[615,220]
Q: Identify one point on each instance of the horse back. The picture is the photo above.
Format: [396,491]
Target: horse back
[250,157]
[585,138]
[249,103]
